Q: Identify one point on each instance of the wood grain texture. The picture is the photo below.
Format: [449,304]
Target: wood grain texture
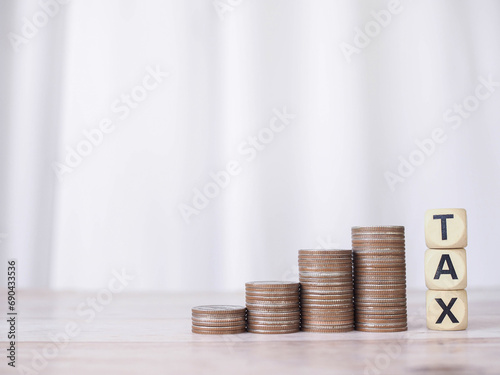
[150,333]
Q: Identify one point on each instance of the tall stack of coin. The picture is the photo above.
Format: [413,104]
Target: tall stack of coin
[326,290]
[219,319]
[273,306]
[379,278]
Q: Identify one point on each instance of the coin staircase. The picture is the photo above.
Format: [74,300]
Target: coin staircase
[338,291]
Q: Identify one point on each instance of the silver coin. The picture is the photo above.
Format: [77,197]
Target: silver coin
[218,308]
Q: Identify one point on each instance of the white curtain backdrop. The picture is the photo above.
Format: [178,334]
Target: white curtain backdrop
[171,93]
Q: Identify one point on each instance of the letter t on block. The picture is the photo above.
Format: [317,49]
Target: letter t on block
[446,228]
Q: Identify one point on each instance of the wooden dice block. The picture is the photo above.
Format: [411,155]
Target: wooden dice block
[447,310]
[446,269]
[446,228]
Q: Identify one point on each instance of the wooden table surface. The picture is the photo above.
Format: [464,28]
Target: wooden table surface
[150,333]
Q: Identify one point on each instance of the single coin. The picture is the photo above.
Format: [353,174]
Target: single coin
[331,320]
[328,251]
[339,295]
[327,289]
[330,326]
[312,305]
[218,309]
[383,242]
[328,314]
[218,325]
[212,331]
[345,270]
[380,290]
[274,320]
[330,297]
[283,319]
[379,284]
[220,316]
[369,320]
[326,330]
[380,276]
[272,298]
[375,251]
[384,310]
[323,304]
[273,301]
[383,282]
[378,329]
[379,320]
[393,228]
[339,299]
[369,255]
[388,236]
[364,301]
[334,257]
[271,314]
[271,292]
[376,271]
[325,267]
[272,326]
[221,321]
[379,257]
[387,295]
[324,260]
[327,280]
[342,273]
[333,284]
[327,293]
[347,310]
[346,281]
[312,308]
[283,331]
[260,309]
[389,306]
[331,262]
[258,306]
[380,265]
[272,284]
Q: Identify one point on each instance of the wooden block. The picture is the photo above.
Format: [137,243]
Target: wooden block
[447,310]
[446,228]
[446,269]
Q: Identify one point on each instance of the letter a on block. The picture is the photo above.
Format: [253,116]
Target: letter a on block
[446,269]
[447,310]
[446,228]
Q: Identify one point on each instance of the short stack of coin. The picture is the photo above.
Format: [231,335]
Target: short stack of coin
[273,306]
[379,278]
[219,319]
[326,290]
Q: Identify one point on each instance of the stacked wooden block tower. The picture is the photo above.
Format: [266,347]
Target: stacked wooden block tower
[446,269]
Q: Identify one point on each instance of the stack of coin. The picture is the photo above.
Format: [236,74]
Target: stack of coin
[379,278]
[273,306]
[326,290]
[219,319]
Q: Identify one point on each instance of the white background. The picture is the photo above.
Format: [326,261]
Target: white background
[321,175]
